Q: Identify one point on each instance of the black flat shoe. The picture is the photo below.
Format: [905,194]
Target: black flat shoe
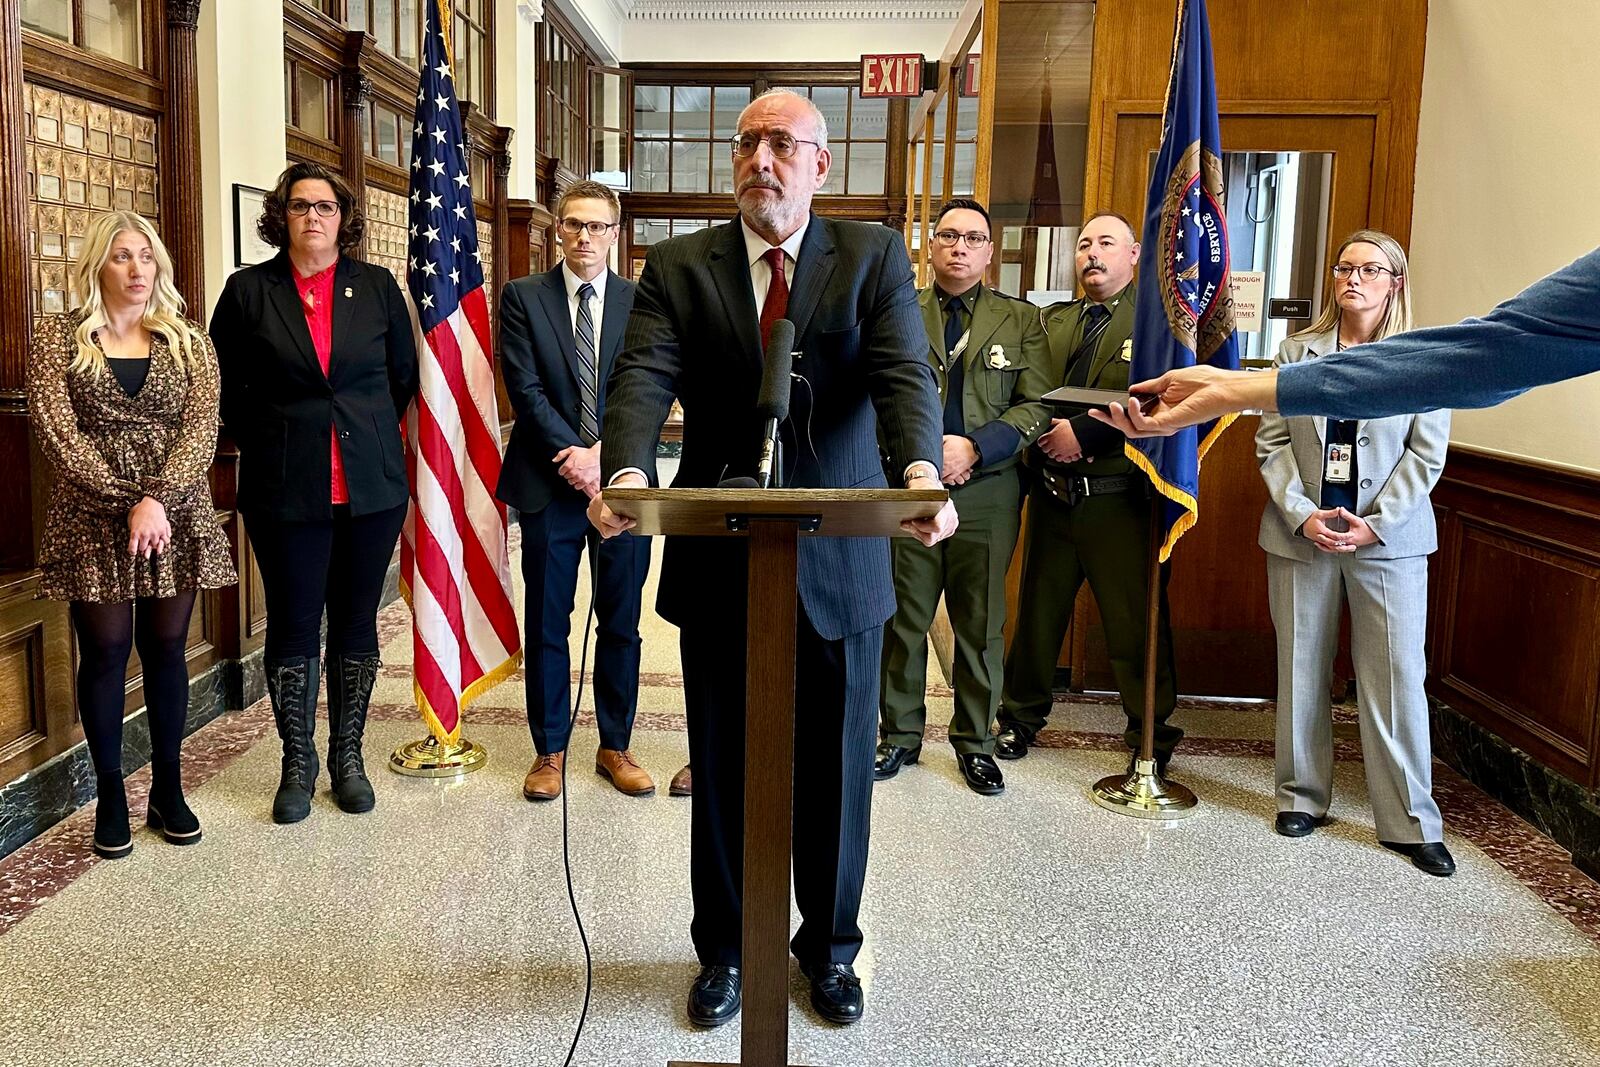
[180,827]
[836,992]
[1295,823]
[1012,743]
[982,774]
[715,996]
[891,758]
[1431,857]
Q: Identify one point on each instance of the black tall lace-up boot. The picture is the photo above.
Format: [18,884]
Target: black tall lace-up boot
[350,682]
[292,684]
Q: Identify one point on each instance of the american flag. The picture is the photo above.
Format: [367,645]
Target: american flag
[454,566]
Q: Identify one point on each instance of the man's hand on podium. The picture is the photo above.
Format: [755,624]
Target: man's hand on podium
[931,531]
[602,518]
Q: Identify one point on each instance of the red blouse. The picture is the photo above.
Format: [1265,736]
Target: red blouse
[316,297]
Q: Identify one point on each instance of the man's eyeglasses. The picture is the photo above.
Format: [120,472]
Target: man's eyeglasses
[948,238]
[1369,271]
[781,145]
[326,208]
[595,228]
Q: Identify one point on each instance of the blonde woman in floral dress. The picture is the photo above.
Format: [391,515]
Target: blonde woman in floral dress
[122,393]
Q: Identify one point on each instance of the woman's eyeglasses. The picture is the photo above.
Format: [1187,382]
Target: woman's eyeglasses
[326,208]
[1369,271]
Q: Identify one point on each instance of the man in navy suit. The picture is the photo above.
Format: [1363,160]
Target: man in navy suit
[705,306]
[559,335]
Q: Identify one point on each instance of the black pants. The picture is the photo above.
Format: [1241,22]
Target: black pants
[106,633]
[836,697]
[337,565]
[553,541]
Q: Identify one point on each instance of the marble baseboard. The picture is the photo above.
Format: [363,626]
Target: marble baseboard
[46,795]
[1557,806]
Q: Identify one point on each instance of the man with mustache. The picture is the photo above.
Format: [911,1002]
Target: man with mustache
[1088,513]
[701,320]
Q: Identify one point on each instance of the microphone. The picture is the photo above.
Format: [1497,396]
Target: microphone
[772,402]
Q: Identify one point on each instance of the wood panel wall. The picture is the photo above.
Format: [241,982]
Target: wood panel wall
[1515,636]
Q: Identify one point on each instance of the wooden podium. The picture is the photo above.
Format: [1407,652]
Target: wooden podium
[773,520]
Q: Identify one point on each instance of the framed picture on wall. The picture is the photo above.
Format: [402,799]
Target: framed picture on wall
[248,247]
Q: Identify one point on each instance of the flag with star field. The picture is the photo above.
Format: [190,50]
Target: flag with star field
[454,565]
[1183,314]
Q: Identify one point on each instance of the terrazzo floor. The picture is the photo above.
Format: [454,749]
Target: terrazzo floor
[1029,929]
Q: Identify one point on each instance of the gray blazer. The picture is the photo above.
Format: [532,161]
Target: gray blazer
[1398,459]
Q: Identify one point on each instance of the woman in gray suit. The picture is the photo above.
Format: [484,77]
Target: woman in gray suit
[1349,520]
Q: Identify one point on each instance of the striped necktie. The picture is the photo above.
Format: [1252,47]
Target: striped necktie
[588,375]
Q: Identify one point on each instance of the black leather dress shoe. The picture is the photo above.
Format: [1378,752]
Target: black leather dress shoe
[836,992]
[715,996]
[982,773]
[1012,743]
[891,758]
[1295,823]
[1431,857]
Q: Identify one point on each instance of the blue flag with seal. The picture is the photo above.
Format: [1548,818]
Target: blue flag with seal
[1184,309]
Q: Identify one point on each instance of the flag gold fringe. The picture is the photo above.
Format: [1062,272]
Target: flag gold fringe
[1190,505]
[492,678]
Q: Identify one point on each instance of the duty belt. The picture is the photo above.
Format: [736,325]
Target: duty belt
[1070,488]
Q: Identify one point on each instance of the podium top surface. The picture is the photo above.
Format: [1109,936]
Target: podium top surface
[837,512]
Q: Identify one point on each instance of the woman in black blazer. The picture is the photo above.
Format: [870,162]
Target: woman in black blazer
[318,366]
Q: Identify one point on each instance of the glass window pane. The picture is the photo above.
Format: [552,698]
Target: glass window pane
[966,169]
[383,24]
[356,14]
[683,226]
[867,169]
[605,100]
[691,111]
[832,100]
[112,27]
[835,182]
[650,231]
[721,168]
[691,166]
[606,161]
[409,20]
[650,166]
[49,16]
[967,119]
[869,116]
[387,143]
[652,105]
[311,92]
[730,100]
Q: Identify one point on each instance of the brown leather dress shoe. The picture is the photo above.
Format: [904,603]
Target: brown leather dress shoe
[619,766]
[544,779]
[682,783]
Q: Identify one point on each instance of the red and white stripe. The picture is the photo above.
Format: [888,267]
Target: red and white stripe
[454,564]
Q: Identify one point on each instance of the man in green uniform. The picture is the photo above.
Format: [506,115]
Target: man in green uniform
[1088,512]
[989,355]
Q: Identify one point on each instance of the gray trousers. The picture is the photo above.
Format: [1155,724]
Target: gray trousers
[1388,618]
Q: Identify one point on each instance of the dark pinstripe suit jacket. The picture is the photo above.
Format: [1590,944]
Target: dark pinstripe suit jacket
[694,335]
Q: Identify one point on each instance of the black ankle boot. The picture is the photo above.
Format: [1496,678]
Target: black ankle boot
[112,839]
[350,681]
[168,812]
[292,684]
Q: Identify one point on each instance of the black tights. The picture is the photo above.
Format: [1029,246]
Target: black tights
[159,628]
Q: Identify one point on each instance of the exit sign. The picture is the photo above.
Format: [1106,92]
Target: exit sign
[892,75]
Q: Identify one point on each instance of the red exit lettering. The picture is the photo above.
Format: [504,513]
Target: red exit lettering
[891,75]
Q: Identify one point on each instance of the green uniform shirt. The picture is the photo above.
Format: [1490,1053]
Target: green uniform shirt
[1107,368]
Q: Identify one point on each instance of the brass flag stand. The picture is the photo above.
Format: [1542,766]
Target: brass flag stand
[432,758]
[1143,793]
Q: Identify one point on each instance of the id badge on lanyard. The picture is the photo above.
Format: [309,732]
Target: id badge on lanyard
[1336,465]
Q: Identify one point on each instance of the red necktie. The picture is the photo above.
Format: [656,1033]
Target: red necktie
[777,303]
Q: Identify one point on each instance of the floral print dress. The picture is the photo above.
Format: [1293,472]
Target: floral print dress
[109,450]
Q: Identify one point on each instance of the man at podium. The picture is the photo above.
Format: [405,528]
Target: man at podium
[701,321]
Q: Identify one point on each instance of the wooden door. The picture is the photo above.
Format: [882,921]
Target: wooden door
[1222,631]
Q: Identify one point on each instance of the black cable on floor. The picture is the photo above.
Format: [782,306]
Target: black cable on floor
[566,852]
